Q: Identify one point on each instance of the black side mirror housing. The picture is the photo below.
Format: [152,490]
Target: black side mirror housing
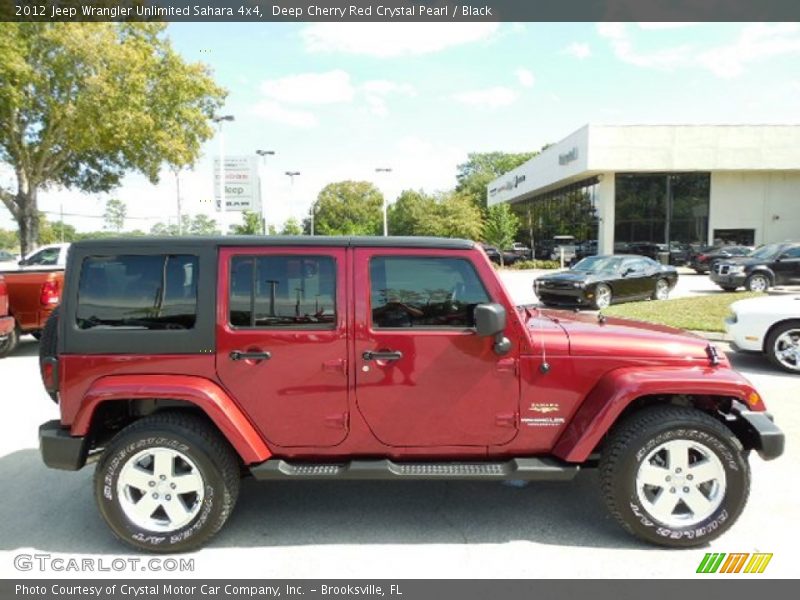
[490,320]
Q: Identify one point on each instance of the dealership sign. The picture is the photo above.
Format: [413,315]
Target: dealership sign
[241,183]
[568,157]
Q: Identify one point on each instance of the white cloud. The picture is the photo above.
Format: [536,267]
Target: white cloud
[666,25]
[385,40]
[755,42]
[494,97]
[376,91]
[272,111]
[579,50]
[525,77]
[331,87]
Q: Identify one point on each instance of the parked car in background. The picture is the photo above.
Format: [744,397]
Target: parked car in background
[6,322]
[509,258]
[8,260]
[32,296]
[708,258]
[521,251]
[770,265]
[599,281]
[563,245]
[52,256]
[768,325]
[679,253]
[584,249]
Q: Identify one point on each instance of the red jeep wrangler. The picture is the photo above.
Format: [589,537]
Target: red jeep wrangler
[181,365]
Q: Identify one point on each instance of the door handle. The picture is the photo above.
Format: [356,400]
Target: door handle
[382,355]
[239,355]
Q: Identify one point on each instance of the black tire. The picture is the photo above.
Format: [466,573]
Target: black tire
[643,432]
[8,345]
[48,345]
[37,335]
[753,283]
[193,436]
[772,338]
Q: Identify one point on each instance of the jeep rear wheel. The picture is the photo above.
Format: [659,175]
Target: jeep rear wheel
[167,483]
[10,342]
[674,476]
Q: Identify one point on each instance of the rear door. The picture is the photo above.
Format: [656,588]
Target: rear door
[424,378]
[282,341]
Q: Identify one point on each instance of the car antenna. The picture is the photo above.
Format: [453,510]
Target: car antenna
[544,368]
[601,318]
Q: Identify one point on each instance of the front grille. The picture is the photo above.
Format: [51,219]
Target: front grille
[723,269]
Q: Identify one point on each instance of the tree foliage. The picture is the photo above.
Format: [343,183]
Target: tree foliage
[443,215]
[198,225]
[115,214]
[349,208]
[500,227]
[82,104]
[292,227]
[483,167]
[251,224]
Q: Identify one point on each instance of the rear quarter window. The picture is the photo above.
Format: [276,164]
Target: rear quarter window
[139,292]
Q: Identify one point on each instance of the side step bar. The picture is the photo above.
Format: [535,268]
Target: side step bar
[529,469]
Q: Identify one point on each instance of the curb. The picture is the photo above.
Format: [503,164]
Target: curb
[714,336]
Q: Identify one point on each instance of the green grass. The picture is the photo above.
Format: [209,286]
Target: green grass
[699,313]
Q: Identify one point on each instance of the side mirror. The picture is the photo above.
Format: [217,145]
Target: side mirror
[22,262]
[490,319]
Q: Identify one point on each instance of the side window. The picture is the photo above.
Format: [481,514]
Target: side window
[130,291]
[297,292]
[792,252]
[48,256]
[636,265]
[424,292]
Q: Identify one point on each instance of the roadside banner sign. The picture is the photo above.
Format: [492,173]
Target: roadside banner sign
[241,184]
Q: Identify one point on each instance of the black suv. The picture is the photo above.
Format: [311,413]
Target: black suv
[773,264]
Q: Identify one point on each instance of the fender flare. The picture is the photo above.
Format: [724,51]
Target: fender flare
[618,388]
[203,393]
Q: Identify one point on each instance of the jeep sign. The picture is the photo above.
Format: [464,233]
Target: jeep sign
[241,183]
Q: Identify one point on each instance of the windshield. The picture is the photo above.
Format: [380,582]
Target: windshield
[766,252]
[593,264]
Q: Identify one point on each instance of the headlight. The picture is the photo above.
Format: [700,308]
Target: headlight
[736,269]
[578,285]
[732,318]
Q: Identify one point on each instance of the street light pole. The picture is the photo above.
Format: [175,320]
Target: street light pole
[263,154]
[385,203]
[292,175]
[220,119]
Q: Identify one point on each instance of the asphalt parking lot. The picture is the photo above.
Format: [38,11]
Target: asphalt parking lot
[390,529]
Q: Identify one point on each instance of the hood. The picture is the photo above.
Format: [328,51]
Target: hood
[744,260]
[626,338]
[776,306]
[569,276]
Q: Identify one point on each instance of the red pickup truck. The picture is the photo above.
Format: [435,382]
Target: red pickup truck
[31,297]
[6,322]
[181,365]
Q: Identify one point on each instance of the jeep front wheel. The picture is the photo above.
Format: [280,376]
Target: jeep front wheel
[167,483]
[674,476]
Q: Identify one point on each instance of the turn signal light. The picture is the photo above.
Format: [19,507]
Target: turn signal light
[50,294]
[753,399]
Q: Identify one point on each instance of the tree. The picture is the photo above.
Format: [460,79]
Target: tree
[82,104]
[480,169]
[54,233]
[292,227]
[349,208]
[251,224]
[199,225]
[446,215]
[115,214]
[500,227]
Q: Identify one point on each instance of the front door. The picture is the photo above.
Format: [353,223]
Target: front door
[787,268]
[282,341]
[423,376]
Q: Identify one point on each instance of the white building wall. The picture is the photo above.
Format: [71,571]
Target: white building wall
[606,193]
[768,202]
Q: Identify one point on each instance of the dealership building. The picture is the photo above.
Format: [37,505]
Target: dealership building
[660,184]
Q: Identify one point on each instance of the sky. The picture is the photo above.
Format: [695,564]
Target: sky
[335,101]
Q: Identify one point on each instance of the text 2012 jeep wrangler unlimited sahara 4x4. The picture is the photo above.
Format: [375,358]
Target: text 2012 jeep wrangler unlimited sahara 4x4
[181,364]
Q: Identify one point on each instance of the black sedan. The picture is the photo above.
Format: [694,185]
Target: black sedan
[599,281]
[707,259]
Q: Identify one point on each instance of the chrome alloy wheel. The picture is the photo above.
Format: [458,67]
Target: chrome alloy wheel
[681,483]
[602,296]
[662,289]
[758,283]
[787,349]
[160,489]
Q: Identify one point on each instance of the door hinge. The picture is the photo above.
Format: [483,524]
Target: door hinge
[335,365]
[508,365]
[338,421]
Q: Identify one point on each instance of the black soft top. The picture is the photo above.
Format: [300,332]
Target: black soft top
[167,242]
